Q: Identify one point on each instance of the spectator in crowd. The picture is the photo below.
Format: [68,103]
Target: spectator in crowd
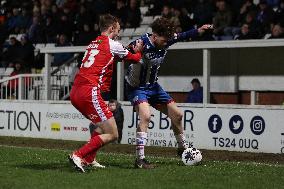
[277,32]
[121,12]
[115,107]
[273,3]
[13,84]
[71,5]
[85,36]
[9,23]
[50,30]
[176,15]
[279,14]
[82,18]
[10,54]
[15,20]
[203,12]
[250,29]
[133,15]
[264,16]
[26,54]
[166,12]
[55,13]
[65,26]
[172,14]
[157,7]
[36,31]
[100,7]
[196,94]
[245,33]
[60,3]
[25,21]
[60,58]
[247,7]
[222,19]
[186,22]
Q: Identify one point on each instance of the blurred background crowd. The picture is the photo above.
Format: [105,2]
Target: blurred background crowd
[25,23]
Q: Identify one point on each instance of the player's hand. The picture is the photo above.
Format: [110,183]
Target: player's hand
[205,27]
[138,46]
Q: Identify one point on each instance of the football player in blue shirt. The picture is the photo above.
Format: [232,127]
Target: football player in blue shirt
[144,91]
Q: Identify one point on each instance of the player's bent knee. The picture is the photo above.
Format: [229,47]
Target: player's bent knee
[178,116]
[145,118]
[114,137]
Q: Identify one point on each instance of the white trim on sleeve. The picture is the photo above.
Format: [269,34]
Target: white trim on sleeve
[117,49]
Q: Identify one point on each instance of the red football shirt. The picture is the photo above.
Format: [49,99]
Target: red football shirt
[97,63]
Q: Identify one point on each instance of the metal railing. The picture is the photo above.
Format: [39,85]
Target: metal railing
[22,87]
[206,48]
[32,87]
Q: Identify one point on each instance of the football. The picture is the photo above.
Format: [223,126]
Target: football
[191,156]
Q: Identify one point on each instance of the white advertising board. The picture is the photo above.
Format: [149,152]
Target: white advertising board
[216,128]
[211,127]
[43,120]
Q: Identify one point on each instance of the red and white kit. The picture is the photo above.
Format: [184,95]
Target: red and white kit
[95,76]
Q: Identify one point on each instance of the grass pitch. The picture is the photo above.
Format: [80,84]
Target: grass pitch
[35,168]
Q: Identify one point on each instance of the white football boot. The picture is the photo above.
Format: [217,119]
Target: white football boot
[77,162]
[96,164]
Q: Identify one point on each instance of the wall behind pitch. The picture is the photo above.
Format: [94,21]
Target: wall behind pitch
[242,61]
[43,120]
[234,128]
[215,127]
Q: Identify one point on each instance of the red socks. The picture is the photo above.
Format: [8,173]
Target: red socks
[88,151]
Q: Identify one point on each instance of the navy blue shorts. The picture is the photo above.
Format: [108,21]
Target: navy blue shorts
[154,94]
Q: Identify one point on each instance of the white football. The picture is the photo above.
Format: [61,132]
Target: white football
[191,156]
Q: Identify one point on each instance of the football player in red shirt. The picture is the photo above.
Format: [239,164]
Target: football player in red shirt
[94,77]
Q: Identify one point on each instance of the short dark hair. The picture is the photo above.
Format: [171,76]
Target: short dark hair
[195,80]
[106,21]
[163,27]
[112,101]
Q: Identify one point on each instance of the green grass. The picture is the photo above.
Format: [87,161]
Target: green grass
[34,168]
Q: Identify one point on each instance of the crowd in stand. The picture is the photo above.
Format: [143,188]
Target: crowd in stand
[75,22]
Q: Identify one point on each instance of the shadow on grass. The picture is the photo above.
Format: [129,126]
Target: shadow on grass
[118,165]
[130,165]
[57,166]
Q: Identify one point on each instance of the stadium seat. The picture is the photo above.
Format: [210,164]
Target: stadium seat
[144,10]
[149,30]
[139,31]
[147,20]
[8,71]
[50,45]
[144,26]
[67,70]
[19,36]
[12,35]
[157,16]
[2,71]
[42,70]
[39,46]
[225,37]
[127,32]
[125,38]
[267,36]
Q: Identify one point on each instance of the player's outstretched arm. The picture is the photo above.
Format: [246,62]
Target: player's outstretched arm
[189,34]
